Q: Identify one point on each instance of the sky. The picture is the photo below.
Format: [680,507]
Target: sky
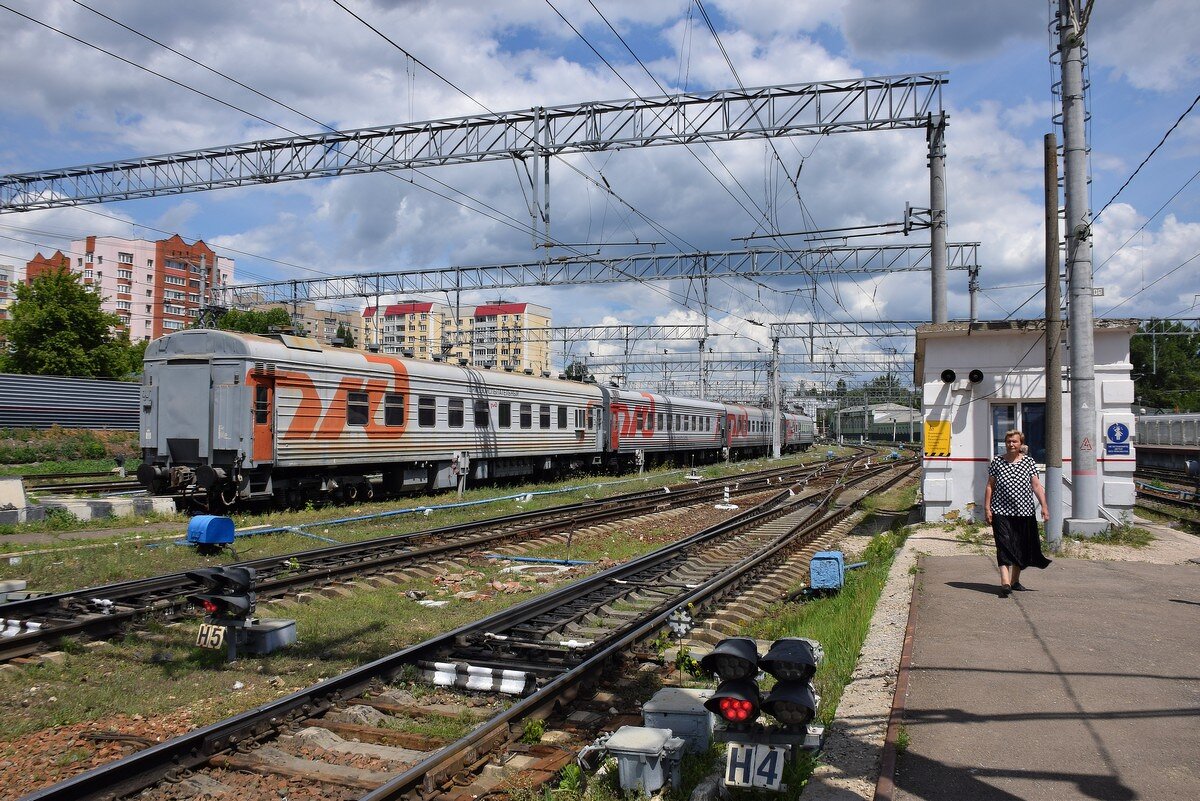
[303,64]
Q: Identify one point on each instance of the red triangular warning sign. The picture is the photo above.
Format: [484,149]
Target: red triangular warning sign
[1086,445]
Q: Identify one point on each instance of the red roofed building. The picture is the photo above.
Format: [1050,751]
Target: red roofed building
[492,334]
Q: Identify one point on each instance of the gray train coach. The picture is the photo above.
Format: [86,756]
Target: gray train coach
[229,417]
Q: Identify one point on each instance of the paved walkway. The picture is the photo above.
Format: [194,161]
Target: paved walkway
[1085,687]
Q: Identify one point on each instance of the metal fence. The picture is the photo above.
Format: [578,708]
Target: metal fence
[38,401]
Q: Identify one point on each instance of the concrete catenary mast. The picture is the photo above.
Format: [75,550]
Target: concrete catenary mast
[1085,496]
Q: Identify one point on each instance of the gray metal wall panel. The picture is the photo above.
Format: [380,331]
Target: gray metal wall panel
[34,401]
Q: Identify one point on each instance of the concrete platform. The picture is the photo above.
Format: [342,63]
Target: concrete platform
[1085,687]
[97,508]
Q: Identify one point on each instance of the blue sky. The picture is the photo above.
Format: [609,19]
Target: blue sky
[66,104]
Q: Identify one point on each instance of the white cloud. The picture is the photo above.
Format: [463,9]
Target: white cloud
[67,104]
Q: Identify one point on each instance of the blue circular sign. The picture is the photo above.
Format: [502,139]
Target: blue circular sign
[1118,432]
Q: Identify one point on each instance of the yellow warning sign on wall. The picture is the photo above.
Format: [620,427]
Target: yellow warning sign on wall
[937,437]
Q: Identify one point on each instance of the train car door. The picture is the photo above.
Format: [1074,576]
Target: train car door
[262,406]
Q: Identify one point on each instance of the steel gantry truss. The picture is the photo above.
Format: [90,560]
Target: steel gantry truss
[796,263]
[825,107]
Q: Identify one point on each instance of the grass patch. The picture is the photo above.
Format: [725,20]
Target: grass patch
[1127,534]
[902,740]
[895,499]
[839,622]
[26,451]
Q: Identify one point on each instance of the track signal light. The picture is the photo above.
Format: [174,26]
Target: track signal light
[228,592]
[792,661]
[732,658]
[736,699]
[949,375]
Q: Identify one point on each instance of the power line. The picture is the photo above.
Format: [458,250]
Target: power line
[1148,156]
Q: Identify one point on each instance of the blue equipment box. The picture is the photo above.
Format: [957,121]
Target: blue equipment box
[827,571]
[210,530]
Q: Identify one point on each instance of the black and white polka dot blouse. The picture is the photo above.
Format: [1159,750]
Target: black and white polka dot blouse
[1012,486]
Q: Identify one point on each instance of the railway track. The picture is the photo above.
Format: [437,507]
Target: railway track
[1169,500]
[553,650]
[33,624]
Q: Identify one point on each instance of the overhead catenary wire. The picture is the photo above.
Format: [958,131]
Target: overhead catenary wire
[1148,156]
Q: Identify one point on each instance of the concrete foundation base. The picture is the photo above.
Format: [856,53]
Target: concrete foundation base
[1084,526]
[97,508]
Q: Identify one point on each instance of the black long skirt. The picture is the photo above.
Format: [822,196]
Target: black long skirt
[1017,542]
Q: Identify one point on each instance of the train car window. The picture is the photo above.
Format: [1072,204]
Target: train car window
[526,415]
[579,418]
[455,413]
[393,409]
[426,411]
[562,416]
[661,425]
[356,409]
[481,414]
[262,409]
[505,411]
[591,419]
[544,417]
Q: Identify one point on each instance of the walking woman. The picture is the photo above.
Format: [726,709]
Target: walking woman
[1008,503]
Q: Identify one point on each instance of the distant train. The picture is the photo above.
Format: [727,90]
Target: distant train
[229,418]
[1168,441]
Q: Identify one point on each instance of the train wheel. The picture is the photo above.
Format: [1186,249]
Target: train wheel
[295,499]
[351,493]
[370,493]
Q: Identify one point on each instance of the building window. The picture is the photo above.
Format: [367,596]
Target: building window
[455,413]
[356,409]
[125,258]
[1028,418]
[393,409]
[427,411]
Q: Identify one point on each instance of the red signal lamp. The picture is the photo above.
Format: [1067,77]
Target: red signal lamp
[736,702]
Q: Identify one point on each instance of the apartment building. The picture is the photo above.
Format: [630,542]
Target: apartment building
[313,321]
[493,334]
[8,277]
[154,287]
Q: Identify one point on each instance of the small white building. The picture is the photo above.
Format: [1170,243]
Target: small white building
[965,419]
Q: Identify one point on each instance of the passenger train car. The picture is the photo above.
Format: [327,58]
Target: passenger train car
[229,417]
[1168,441]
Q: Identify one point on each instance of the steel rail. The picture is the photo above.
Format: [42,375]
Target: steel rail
[171,758]
[101,611]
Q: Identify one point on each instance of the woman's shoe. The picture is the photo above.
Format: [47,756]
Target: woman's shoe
[1005,590]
